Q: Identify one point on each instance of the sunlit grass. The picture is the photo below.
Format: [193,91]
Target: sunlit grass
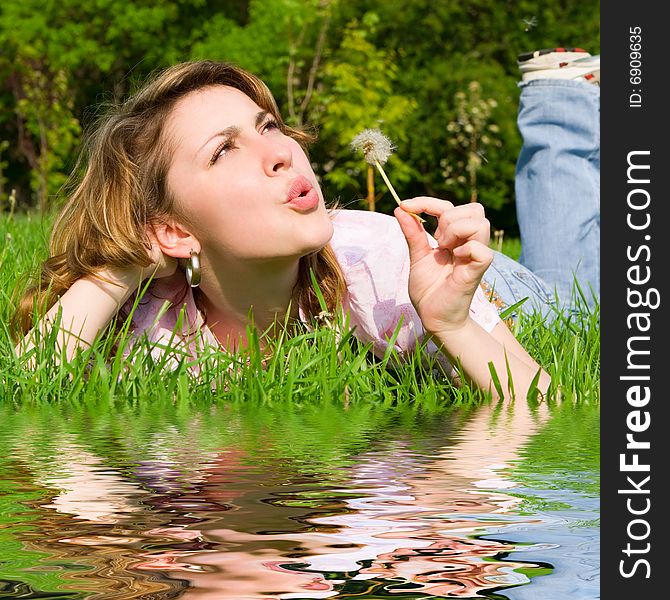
[300,368]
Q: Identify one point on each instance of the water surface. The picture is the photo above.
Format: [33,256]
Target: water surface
[248,501]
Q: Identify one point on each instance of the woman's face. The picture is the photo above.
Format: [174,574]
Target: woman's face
[247,190]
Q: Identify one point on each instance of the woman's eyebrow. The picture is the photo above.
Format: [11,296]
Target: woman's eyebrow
[233,130]
[260,117]
[228,132]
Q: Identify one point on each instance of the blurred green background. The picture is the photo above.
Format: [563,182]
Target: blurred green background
[439,77]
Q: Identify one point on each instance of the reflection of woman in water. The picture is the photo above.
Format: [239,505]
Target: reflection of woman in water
[217,522]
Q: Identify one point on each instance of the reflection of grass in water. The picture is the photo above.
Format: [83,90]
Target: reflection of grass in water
[34,563]
[566,452]
[289,440]
[533,505]
[534,572]
[309,439]
[563,455]
[18,513]
[317,437]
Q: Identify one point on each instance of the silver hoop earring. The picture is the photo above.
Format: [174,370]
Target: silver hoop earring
[193,270]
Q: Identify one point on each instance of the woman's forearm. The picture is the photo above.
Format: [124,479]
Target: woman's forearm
[473,348]
[85,309]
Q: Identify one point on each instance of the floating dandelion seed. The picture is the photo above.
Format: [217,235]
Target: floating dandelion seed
[530,23]
[377,149]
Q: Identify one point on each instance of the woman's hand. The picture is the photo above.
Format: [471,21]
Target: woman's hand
[443,280]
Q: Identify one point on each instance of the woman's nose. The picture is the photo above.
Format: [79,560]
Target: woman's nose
[278,158]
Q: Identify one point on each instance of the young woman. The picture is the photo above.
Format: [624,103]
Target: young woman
[197,182]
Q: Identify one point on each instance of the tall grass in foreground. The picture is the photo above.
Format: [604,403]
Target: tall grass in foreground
[301,368]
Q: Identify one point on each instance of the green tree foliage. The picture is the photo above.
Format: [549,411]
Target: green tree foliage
[277,39]
[61,58]
[441,47]
[439,77]
[48,131]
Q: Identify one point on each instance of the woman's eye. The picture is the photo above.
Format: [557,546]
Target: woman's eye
[271,125]
[221,150]
[228,145]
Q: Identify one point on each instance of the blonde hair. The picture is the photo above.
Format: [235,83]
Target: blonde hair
[123,189]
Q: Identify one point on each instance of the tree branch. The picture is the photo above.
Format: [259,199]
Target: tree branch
[318,53]
[290,75]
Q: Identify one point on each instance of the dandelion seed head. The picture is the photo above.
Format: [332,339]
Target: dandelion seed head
[374,145]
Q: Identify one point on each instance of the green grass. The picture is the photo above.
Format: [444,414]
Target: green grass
[301,368]
[511,247]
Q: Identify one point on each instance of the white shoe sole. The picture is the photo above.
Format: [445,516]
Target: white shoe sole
[550,67]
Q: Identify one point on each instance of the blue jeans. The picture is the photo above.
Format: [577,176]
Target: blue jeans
[557,199]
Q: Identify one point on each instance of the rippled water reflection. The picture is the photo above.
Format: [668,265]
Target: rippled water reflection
[318,502]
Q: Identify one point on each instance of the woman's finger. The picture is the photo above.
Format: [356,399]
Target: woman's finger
[415,234]
[427,204]
[475,257]
[462,230]
[472,210]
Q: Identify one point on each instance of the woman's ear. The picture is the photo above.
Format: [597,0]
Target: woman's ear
[173,238]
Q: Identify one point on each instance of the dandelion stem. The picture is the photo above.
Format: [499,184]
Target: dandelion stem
[393,192]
